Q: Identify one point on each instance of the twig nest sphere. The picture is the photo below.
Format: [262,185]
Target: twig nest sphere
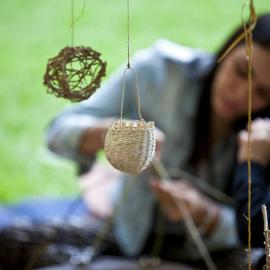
[75,73]
[130,145]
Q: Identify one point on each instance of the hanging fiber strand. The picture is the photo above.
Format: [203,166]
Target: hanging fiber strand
[247,29]
[247,36]
[249,56]
[73,21]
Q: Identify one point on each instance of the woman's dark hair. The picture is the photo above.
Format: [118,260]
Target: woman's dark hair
[201,147]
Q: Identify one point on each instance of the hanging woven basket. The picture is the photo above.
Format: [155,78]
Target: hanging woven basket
[130,145]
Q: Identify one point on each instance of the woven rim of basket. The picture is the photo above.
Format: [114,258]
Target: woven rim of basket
[133,124]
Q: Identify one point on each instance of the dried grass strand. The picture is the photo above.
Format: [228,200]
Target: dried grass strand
[247,31]
[249,54]
[188,220]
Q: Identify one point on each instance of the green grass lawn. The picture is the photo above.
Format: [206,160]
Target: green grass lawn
[32,31]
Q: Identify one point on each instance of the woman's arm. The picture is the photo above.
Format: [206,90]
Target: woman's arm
[260,157]
[78,133]
[216,222]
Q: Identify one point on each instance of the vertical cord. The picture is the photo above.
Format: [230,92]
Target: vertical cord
[72,23]
[249,56]
[133,71]
[128,38]
[247,35]
[123,93]
[138,94]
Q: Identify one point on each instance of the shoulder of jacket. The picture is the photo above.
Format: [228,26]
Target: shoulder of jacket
[176,52]
[169,52]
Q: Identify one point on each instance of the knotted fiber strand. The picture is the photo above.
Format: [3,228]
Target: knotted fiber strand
[130,145]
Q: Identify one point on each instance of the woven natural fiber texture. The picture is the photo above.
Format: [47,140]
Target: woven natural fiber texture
[75,73]
[130,145]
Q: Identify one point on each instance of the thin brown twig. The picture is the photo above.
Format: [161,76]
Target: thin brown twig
[188,221]
[252,24]
[249,56]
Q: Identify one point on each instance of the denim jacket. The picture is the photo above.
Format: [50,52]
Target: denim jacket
[170,89]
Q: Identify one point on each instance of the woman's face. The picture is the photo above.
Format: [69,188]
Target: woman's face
[229,98]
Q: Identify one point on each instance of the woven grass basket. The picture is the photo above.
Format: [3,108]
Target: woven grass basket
[130,145]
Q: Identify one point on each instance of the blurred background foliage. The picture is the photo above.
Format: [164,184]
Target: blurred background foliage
[32,31]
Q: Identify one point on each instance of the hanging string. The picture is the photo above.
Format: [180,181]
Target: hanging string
[247,35]
[249,56]
[73,21]
[138,93]
[133,71]
[128,38]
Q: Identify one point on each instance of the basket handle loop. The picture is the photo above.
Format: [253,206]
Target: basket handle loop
[138,93]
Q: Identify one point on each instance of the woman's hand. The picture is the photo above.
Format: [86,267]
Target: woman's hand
[202,209]
[160,140]
[260,142]
[93,138]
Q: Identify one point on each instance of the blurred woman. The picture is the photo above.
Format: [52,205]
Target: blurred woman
[198,106]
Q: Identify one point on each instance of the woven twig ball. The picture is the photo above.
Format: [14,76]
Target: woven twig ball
[75,73]
[130,145]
